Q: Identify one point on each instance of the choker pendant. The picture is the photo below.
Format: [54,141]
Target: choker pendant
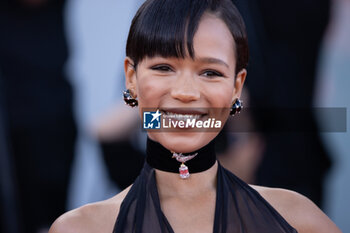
[183,169]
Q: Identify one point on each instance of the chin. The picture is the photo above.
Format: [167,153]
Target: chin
[183,142]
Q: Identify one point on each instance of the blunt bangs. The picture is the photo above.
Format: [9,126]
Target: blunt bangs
[166,28]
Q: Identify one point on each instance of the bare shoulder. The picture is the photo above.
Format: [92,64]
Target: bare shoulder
[298,210]
[95,217]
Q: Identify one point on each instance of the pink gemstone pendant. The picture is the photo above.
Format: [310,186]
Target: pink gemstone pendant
[183,169]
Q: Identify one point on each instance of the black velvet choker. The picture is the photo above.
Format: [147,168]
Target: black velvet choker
[161,158]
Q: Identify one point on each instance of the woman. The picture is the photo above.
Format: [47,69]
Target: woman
[186,60]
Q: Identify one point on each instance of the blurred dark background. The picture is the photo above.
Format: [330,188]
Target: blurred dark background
[37,108]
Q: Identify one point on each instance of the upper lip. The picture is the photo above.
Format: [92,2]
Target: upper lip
[185,111]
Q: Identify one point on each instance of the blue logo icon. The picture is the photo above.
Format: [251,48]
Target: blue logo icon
[151,120]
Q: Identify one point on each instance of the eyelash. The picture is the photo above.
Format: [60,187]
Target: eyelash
[213,73]
[167,68]
[162,68]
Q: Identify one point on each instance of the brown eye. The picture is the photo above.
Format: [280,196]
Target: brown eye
[212,73]
[162,68]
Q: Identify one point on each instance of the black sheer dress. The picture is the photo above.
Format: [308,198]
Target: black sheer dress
[239,208]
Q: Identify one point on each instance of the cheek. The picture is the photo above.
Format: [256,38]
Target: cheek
[220,95]
[150,91]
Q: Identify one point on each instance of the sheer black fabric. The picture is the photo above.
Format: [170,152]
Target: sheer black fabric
[239,208]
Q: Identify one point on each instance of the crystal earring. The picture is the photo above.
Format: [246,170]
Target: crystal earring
[129,99]
[236,107]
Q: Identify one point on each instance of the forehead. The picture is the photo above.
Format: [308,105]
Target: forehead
[214,39]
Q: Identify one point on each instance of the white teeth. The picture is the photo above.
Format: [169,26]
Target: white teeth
[181,117]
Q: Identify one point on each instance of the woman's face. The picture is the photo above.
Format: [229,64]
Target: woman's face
[203,87]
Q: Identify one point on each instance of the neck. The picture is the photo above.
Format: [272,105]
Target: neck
[169,184]
[197,161]
[200,167]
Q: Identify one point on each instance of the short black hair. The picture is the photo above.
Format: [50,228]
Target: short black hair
[160,27]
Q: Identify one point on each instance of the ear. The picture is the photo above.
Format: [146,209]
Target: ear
[130,76]
[238,85]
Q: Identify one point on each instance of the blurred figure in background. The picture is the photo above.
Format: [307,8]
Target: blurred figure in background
[38,101]
[117,132]
[284,40]
[243,147]
[97,33]
[333,92]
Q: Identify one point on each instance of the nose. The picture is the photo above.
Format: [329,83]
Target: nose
[185,89]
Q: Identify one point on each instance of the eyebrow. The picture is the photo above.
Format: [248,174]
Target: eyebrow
[212,60]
